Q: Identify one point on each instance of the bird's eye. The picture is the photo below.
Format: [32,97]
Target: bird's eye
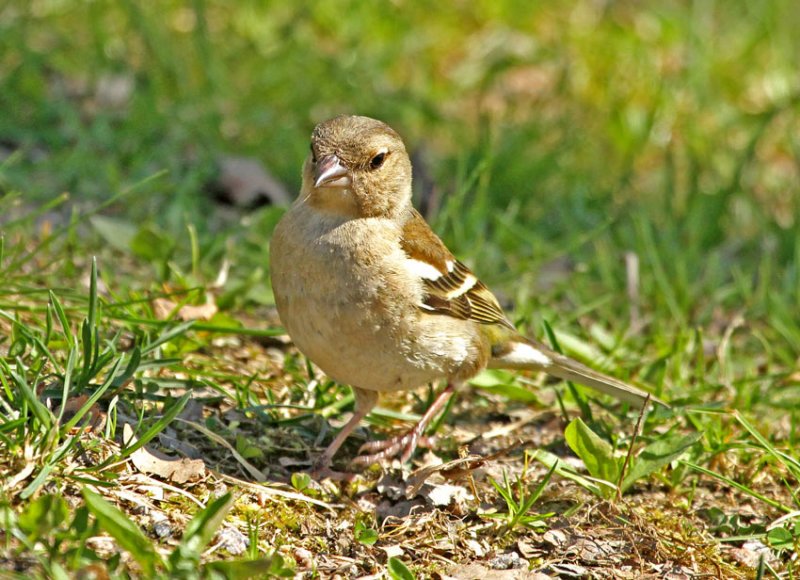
[313,154]
[378,160]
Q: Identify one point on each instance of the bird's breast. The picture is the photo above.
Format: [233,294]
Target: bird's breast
[349,304]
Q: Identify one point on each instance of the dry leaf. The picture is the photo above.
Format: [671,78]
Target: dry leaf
[155,463]
[165,309]
[245,182]
[203,312]
[445,495]
[162,308]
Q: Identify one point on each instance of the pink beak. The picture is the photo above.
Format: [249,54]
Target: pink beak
[331,173]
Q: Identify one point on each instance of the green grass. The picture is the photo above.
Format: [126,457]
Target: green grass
[560,139]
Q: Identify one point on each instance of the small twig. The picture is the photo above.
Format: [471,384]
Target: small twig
[630,448]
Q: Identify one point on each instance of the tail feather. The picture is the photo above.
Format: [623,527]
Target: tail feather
[533,355]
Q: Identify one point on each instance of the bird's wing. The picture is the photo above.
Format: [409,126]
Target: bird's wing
[451,288]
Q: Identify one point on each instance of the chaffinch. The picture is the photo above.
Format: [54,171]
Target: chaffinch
[371,295]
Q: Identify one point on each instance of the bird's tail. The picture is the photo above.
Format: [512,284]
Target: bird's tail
[529,354]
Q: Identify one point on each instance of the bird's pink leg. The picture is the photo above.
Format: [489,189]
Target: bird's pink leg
[365,401]
[378,451]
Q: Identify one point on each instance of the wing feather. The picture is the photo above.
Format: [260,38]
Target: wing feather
[456,292]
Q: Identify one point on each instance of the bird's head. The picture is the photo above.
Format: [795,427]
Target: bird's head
[357,167]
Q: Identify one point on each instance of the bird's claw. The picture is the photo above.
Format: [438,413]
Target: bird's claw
[379,451]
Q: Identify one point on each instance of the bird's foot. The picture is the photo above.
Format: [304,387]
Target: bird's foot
[379,451]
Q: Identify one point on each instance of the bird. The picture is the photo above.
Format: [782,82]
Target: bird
[370,294]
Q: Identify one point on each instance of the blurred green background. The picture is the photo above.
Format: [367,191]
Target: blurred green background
[552,137]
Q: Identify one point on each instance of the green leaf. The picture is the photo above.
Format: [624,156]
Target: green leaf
[272,567]
[134,360]
[124,531]
[791,463]
[300,480]
[596,453]
[398,570]
[56,571]
[565,470]
[43,515]
[69,369]
[658,454]
[66,329]
[247,449]
[364,534]
[503,384]
[80,521]
[204,525]
[91,317]
[741,487]
[780,538]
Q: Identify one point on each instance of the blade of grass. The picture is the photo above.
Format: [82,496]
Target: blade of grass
[743,488]
[124,531]
[791,463]
[165,419]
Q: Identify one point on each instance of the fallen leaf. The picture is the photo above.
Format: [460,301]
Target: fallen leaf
[245,182]
[556,538]
[304,559]
[165,309]
[95,571]
[529,549]
[169,441]
[750,553]
[203,312]
[565,570]
[152,462]
[445,495]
